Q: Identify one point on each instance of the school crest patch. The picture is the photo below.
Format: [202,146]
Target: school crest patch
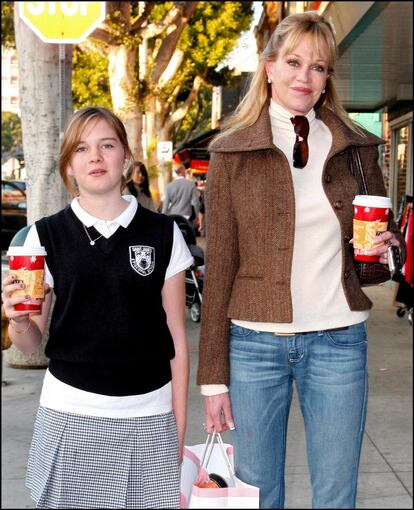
[142,259]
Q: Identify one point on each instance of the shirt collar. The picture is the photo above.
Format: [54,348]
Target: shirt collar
[124,219]
[281,117]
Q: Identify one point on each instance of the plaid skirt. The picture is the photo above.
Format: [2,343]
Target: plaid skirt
[80,461]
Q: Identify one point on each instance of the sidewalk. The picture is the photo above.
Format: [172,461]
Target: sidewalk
[386,461]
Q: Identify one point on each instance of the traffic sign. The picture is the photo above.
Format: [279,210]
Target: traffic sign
[164,151]
[62,22]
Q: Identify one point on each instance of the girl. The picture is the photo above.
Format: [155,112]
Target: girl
[137,183]
[110,427]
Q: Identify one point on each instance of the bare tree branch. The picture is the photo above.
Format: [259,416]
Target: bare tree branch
[172,68]
[170,42]
[155,29]
[182,111]
[138,21]
[102,35]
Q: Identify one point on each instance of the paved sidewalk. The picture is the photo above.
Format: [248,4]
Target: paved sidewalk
[386,462]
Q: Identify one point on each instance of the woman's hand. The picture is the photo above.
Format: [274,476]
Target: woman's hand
[218,415]
[388,238]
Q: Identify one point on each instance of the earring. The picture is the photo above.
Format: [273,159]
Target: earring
[269,80]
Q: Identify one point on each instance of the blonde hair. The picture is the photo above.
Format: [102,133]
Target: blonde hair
[72,137]
[287,35]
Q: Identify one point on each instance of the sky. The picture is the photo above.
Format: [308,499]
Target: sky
[244,55]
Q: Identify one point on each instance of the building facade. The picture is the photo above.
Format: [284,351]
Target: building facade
[9,81]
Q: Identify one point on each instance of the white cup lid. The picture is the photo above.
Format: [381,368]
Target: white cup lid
[373,201]
[26,250]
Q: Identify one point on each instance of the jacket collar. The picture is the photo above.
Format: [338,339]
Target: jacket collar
[259,136]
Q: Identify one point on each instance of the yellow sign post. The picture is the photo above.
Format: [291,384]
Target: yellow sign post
[62,22]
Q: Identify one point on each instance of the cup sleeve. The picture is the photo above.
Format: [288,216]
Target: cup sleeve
[32,239]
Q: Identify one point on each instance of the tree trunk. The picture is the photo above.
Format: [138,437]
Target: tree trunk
[123,85]
[40,106]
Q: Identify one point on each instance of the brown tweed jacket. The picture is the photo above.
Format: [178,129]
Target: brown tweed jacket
[250,212]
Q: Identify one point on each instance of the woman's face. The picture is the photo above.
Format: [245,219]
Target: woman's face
[138,178]
[299,77]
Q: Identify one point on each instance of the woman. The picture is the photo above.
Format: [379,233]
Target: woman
[138,185]
[282,301]
[110,428]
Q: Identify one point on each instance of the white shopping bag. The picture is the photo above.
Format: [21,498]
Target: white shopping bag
[213,456]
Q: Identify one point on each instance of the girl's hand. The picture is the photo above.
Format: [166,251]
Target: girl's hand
[10,286]
[388,238]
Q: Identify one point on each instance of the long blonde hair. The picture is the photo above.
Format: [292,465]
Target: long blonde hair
[287,34]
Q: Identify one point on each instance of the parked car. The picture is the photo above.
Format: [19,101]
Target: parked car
[20,184]
[13,211]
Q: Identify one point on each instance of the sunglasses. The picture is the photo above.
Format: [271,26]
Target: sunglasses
[300,149]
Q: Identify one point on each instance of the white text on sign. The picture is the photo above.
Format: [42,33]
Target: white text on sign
[54,8]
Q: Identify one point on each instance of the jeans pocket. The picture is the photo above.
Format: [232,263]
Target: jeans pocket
[350,336]
[239,331]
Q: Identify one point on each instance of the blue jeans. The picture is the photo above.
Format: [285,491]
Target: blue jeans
[330,372]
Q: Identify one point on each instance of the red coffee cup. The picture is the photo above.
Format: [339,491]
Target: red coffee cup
[371,215]
[27,264]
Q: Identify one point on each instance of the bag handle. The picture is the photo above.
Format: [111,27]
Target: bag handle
[356,169]
[208,450]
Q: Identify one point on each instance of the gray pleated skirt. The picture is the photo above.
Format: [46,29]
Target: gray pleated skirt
[80,461]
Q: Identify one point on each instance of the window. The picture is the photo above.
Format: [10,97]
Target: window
[401,161]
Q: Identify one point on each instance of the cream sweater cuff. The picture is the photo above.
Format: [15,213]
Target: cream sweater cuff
[208,390]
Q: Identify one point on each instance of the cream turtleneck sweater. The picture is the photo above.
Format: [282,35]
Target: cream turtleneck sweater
[318,298]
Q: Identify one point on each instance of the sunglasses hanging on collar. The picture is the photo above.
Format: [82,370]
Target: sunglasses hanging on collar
[300,149]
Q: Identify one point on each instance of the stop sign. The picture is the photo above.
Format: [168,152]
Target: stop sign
[62,22]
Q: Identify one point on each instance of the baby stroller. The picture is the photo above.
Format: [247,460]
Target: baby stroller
[194,275]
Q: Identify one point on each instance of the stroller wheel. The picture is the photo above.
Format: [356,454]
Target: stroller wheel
[400,312]
[195,312]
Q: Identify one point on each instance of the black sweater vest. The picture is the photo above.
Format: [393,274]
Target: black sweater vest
[108,332]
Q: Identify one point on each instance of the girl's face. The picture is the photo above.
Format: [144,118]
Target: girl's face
[299,77]
[99,159]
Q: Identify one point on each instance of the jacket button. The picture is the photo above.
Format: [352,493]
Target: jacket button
[347,274]
[338,204]
[328,178]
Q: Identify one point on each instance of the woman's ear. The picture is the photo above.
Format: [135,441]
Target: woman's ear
[269,70]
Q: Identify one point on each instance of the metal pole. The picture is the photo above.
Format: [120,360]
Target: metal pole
[62,92]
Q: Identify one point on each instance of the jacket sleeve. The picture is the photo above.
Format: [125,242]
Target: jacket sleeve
[376,186]
[222,261]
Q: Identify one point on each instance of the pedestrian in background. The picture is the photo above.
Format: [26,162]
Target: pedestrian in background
[282,301]
[137,183]
[110,428]
[181,195]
